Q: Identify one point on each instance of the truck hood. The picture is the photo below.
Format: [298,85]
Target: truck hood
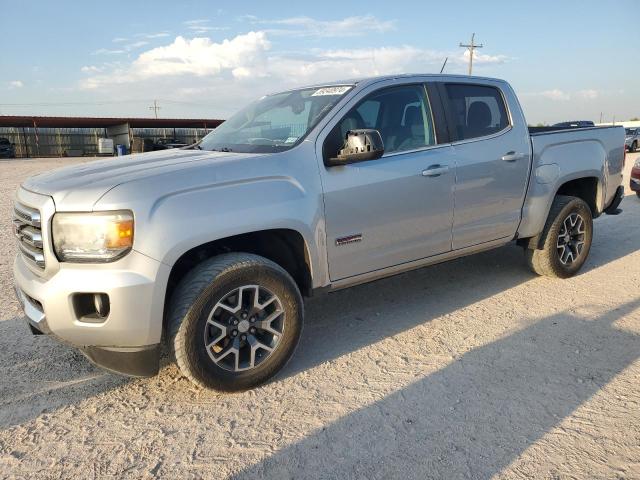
[79,187]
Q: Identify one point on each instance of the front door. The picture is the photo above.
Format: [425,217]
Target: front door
[395,209]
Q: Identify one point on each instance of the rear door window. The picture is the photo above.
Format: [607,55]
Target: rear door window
[477,110]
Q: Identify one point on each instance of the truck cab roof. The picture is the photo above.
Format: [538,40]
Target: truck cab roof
[365,81]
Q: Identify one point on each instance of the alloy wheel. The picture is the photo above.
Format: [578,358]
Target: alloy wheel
[571,239]
[244,328]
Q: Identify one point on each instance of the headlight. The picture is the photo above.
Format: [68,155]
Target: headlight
[92,237]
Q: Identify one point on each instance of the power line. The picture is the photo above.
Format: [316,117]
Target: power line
[471,47]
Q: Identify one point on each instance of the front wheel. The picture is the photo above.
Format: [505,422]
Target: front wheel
[235,321]
[634,146]
[566,239]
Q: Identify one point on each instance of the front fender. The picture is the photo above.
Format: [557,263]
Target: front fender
[212,205]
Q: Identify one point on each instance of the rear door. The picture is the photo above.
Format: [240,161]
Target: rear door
[395,209]
[492,156]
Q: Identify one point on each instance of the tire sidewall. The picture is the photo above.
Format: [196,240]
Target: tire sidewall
[193,326]
[574,206]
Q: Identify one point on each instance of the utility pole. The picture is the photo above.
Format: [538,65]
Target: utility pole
[155,108]
[471,47]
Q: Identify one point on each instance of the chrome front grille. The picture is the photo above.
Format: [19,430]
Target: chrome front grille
[28,230]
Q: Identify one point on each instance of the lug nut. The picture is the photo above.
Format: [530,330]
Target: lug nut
[234,333]
[243,337]
[252,319]
[244,315]
[235,321]
[252,330]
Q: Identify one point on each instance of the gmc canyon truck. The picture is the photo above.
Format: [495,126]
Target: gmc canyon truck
[210,249]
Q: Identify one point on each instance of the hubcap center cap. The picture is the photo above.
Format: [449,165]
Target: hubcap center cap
[243,326]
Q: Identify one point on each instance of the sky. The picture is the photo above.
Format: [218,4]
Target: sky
[566,59]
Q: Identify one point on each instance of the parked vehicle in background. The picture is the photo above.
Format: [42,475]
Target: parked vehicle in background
[576,124]
[310,190]
[168,143]
[632,139]
[635,178]
[7,149]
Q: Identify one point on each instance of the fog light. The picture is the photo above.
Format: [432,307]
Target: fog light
[91,307]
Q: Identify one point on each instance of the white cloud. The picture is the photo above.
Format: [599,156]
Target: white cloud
[481,58]
[134,45]
[119,40]
[91,69]
[562,96]
[588,94]
[106,51]
[310,27]
[151,36]
[556,94]
[16,84]
[201,26]
[198,21]
[198,57]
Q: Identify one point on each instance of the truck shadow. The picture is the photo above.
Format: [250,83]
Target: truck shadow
[347,320]
[476,415]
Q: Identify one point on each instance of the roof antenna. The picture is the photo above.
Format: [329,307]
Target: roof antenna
[444,64]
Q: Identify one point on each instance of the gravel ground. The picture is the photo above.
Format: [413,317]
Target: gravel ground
[471,369]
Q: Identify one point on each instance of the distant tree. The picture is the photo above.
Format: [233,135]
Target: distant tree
[634,119]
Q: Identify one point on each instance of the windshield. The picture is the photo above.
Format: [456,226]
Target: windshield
[630,131]
[274,123]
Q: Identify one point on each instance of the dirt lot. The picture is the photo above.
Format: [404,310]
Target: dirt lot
[471,369]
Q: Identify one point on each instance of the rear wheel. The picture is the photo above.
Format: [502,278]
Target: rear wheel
[235,321]
[638,193]
[566,239]
[634,146]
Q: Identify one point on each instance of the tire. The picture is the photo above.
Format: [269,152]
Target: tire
[552,259]
[200,313]
[638,193]
[634,146]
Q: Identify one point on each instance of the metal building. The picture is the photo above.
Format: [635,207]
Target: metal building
[79,136]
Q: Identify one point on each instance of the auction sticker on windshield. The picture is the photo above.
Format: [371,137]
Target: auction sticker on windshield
[330,91]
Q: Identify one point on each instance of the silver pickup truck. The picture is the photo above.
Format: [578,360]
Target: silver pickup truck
[210,249]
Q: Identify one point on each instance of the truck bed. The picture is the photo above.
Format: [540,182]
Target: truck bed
[544,130]
[561,155]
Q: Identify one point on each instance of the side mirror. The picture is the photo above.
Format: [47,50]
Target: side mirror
[359,145]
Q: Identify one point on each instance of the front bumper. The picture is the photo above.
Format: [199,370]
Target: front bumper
[127,340]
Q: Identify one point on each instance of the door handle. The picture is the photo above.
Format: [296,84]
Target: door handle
[435,170]
[512,156]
